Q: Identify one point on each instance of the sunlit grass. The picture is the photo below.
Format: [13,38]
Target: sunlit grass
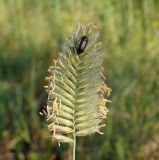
[31,33]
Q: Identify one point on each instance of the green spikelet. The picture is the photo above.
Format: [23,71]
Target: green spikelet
[76,88]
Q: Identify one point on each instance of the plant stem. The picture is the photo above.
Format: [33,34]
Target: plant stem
[74,147]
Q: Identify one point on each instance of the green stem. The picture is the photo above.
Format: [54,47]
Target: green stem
[74,147]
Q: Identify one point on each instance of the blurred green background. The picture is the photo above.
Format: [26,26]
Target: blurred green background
[31,35]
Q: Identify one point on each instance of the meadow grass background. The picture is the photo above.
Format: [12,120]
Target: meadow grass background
[31,35]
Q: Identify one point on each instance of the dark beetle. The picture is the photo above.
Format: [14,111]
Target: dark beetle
[82,44]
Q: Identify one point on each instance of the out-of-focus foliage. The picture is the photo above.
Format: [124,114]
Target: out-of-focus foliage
[31,34]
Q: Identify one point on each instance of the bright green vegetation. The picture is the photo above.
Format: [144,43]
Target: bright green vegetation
[31,34]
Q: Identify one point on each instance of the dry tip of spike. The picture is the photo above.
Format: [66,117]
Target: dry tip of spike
[97,127]
[50,78]
[46,87]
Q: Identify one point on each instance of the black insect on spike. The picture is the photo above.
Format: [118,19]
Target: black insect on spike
[82,44]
